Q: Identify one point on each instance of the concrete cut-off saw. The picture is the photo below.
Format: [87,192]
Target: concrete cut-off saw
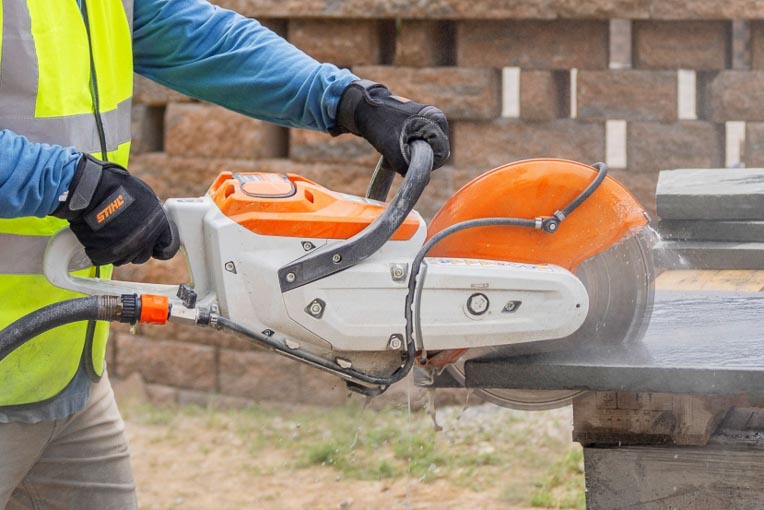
[535,255]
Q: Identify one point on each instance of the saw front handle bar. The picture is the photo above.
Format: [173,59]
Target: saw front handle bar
[65,253]
[336,257]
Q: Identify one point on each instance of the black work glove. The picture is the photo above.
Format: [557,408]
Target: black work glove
[390,123]
[116,216]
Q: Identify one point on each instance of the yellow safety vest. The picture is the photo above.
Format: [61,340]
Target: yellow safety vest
[66,77]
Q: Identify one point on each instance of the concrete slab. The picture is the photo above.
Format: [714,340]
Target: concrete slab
[708,255]
[697,342]
[707,230]
[711,194]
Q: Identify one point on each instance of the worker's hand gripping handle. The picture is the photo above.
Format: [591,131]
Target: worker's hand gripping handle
[337,257]
[64,254]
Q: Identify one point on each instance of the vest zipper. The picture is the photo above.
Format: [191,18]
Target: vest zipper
[86,361]
[94,84]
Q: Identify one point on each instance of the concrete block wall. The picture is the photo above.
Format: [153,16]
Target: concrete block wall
[644,86]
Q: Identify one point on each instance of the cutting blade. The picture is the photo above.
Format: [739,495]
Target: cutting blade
[619,282]
[604,241]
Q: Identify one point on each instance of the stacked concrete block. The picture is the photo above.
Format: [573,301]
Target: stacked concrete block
[628,94]
[698,45]
[544,95]
[690,143]
[732,95]
[343,42]
[533,44]
[425,43]
[483,145]
[491,9]
[711,219]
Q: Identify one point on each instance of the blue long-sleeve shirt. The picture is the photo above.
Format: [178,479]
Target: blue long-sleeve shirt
[205,52]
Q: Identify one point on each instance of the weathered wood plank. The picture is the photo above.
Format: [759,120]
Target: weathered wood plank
[708,255]
[617,418]
[711,194]
[743,280]
[728,474]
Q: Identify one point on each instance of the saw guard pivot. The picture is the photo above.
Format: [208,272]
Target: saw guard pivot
[536,188]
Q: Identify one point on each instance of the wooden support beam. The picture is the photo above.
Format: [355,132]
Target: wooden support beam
[615,418]
[739,280]
[727,473]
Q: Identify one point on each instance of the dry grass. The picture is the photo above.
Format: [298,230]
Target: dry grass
[350,457]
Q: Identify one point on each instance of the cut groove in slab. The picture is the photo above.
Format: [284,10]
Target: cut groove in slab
[708,255]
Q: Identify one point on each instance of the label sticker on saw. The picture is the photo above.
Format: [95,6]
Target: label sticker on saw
[488,263]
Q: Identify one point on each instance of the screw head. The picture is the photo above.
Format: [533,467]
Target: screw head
[396,342]
[307,245]
[398,271]
[290,277]
[478,303]
[336,258]
[230,267]
[316,308]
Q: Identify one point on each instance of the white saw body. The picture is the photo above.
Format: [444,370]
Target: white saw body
[261,266]
[465,302]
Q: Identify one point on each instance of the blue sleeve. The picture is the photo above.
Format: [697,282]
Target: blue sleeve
[33,175]
[219,56]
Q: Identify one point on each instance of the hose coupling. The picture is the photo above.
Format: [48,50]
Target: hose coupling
[133,308]
[110,308]
[548,224]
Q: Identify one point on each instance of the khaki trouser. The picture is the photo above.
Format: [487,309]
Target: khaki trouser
[78,463]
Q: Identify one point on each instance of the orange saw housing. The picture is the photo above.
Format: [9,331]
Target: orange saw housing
[533,188]
[289,205]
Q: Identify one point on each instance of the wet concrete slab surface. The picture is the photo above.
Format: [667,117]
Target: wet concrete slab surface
[696,342]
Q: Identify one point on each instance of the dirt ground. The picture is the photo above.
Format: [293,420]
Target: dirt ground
[485,458]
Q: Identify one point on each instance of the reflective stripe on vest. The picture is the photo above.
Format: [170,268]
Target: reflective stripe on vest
[22,254]
[76,130]
[45,95]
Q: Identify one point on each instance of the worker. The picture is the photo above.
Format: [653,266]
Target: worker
[66,73]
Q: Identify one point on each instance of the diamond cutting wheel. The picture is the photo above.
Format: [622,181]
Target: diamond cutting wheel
[603,240]
[620,286]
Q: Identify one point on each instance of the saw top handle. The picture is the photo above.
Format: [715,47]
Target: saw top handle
[381,181]
[336,257]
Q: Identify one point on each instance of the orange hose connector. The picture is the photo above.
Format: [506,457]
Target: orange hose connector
[154,309]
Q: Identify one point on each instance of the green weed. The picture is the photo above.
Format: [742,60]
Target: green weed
[563,486]
[504,453]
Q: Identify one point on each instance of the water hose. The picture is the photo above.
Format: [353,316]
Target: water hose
[127,308]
